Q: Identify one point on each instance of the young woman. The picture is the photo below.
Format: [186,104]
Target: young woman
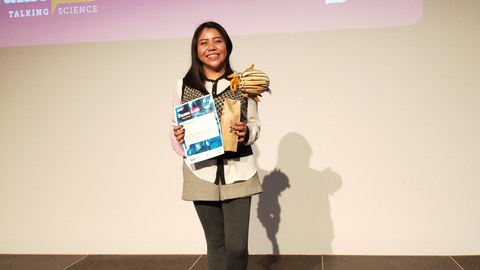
[220,188]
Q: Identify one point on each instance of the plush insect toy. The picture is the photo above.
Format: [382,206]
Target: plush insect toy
[251,83]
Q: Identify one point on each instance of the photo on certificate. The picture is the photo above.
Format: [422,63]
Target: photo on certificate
[203,139]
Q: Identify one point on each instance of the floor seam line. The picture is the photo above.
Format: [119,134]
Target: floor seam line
[77,261]
[455,261]
[193,265]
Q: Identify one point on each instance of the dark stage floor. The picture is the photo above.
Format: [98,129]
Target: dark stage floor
[260,262]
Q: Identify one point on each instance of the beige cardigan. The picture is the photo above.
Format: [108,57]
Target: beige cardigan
[196,189]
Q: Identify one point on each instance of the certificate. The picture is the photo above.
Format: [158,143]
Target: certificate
[203,137]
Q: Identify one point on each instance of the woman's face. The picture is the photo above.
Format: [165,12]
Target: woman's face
[212,51]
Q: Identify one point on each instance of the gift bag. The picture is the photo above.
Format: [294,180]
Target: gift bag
[230,116]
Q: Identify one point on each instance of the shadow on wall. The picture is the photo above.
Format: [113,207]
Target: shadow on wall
[268,211]
[302,215]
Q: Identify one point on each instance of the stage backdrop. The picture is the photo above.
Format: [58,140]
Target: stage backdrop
[369,144]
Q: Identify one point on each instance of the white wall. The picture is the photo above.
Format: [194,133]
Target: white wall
[376,131]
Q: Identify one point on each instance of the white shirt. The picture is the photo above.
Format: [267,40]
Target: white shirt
[235,169]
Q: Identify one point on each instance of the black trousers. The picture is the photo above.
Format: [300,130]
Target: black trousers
[226,225]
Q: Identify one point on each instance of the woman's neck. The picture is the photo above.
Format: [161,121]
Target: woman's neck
[212,74]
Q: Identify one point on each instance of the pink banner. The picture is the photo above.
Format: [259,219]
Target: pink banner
[39,22]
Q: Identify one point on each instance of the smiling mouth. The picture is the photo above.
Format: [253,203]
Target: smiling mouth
[213,56]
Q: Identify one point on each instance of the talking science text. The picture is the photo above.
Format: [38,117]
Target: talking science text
[80,21]
[35,8]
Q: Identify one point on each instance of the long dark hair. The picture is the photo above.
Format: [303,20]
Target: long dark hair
[195,77]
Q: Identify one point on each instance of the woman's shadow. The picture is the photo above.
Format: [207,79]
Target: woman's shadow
[268,211]
[302,217]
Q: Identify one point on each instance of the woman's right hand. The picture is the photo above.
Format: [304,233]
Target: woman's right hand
[179,133]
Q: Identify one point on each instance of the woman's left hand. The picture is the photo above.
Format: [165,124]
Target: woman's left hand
[241,131]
